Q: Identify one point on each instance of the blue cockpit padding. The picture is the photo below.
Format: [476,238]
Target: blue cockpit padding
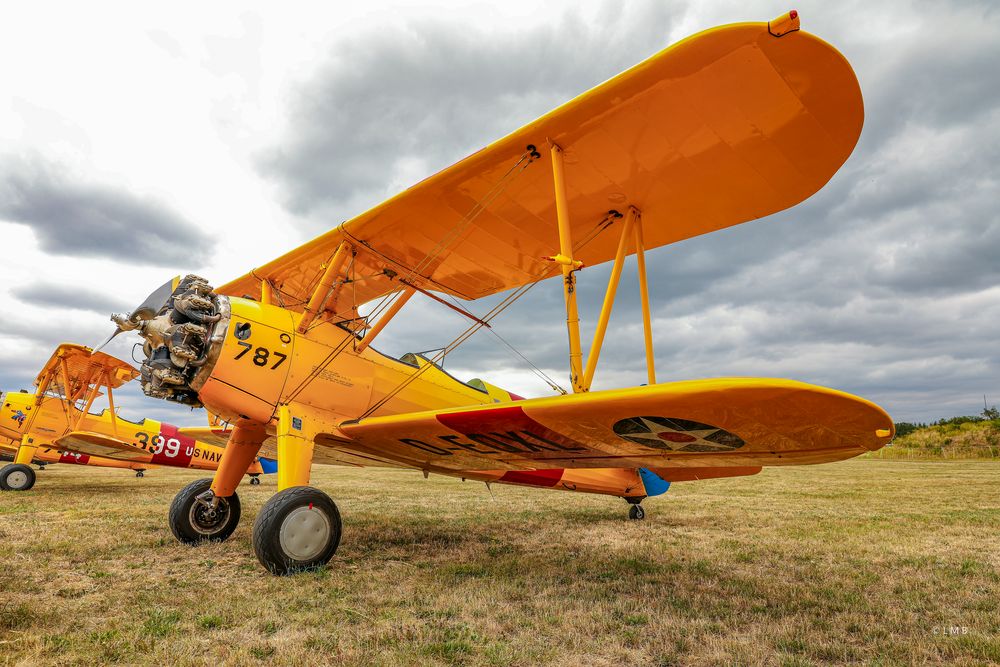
[269,466]
[655,485]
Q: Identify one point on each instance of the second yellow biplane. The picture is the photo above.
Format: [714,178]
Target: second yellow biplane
[56,421]
[730,125]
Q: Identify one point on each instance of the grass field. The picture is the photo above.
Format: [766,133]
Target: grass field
[877,562]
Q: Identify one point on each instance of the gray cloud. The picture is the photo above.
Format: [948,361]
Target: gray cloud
[391,108]
[61,296]
[72,217]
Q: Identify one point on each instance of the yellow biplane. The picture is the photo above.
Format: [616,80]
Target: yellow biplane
[730,125]
[55,424]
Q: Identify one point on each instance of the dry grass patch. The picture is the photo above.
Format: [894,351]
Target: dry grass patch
[864,562]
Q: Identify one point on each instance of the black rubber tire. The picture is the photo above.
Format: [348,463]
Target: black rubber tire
[254,481]
[182,515]
[267,530]
[140,473]
[636,513]
[8,470]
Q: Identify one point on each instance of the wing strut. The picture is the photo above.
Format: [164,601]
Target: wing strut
[569,266]
[94,391]
[404,296]
[111,403]
[583,378]
[317,302]
[66,388]
[609,299]
[647,327]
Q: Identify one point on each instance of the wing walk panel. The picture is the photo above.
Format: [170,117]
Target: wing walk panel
[726,126]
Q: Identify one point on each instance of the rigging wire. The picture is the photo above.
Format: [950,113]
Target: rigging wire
[461,338]
[608,220]
[453,234]
[542,375]
[449,237]
[523,162]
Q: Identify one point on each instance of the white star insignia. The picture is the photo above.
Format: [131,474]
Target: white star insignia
[653,439]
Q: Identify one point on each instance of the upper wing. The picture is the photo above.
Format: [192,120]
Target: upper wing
[713,423]
[81,367]
[726,126]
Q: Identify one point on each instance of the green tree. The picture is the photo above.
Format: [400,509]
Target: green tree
[906,428]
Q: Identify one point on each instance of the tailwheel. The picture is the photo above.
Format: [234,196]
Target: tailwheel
[140,473]
[298,529]
[197,515]
[16,477]
[254,480]
[636,513]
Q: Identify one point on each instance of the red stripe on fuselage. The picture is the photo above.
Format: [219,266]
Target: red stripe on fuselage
[176,449]
[70,457]
[533,477]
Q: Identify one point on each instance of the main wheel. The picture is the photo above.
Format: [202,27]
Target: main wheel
[140,473]
[16,477]
[194,520]
[254,480]
[636,513]
[298,529]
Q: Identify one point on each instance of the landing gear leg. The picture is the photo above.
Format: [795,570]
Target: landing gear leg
[26,451]
[299,527]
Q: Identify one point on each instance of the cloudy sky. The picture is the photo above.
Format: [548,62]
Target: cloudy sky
[139,142]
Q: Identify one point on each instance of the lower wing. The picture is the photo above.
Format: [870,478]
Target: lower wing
[737,422]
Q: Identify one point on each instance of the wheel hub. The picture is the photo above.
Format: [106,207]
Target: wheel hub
[305,533]
[17,480]
[208,520]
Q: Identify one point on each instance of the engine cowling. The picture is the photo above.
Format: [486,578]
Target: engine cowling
[231,355]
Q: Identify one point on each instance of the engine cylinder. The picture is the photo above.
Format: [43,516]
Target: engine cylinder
[183,341]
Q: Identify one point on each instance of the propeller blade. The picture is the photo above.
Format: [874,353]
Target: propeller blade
[148,309]
[100,347]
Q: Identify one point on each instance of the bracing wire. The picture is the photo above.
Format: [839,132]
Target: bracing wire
[606,222]
[542,375]
[449,237]
[461,338]
[456,230]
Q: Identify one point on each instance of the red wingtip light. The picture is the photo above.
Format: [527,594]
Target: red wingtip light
[794,14]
